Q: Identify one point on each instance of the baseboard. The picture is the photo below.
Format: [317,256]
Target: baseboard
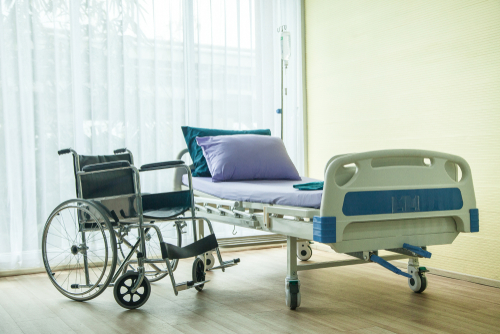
[455,275]
[432,271]
[27,271]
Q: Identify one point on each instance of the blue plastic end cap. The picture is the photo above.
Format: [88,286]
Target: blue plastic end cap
[325,229]
[474,220]
[278,111]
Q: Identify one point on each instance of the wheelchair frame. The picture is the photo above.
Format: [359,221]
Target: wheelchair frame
[100,206]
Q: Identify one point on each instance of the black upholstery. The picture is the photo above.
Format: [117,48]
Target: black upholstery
[106,184]
[166,205]
[196,248]
[98,159]
[106,165]
[165,213]
[121,182]
[159,165]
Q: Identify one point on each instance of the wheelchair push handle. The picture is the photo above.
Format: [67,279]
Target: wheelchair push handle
[64,151]
[120,150]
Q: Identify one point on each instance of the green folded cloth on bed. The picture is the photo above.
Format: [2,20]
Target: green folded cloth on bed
[310,186]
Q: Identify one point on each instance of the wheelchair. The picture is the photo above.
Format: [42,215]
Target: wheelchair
[114,235]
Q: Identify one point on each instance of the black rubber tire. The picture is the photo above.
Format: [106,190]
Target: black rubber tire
[198,273]
[119,297]
[423,285]
[106,226]
[293,301]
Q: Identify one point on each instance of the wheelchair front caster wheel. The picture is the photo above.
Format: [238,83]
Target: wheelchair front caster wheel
[418,282]
[210,259]
[122,291]
[198,273]
[304,252]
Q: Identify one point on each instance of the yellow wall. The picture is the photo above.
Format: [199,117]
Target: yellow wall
[421,74]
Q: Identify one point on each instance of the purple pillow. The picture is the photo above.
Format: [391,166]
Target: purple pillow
[247,157]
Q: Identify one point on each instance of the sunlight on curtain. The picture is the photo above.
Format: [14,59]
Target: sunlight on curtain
[99,75]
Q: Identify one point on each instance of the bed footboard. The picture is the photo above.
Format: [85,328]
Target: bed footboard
[383,199]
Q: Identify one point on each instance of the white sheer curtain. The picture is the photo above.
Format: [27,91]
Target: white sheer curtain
[98,75]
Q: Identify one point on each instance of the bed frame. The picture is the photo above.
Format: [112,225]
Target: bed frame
[396,200]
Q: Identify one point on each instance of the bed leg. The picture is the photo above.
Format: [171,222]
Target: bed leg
[292,282]
[291,250]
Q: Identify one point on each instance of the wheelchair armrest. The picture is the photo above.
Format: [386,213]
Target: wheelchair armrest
[106,165]
[160,165]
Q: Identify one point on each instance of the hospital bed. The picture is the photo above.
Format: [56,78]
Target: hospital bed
[400,201]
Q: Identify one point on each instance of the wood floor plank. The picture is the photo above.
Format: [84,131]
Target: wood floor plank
[45,326]
[20,303]
[250,298]
[7,324]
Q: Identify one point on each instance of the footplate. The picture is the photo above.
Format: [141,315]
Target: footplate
[225,264]
[188,285]
[82,286]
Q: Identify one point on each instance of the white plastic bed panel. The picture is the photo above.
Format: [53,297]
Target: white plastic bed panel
[396,170]
[366,236]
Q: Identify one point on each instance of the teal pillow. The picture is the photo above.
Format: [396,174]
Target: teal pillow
[196,153]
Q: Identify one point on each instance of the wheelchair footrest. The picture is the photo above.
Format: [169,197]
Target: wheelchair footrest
[226,264]
[196,248]
[83,286]
[188,285]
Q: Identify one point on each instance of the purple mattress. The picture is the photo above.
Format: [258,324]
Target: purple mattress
[279,192]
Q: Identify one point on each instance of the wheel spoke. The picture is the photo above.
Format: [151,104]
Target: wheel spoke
[69,255]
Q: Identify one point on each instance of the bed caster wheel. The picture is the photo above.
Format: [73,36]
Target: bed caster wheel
[304,251]
[292,294]
[124,297]
[210,260]
[418,282]
[198,273]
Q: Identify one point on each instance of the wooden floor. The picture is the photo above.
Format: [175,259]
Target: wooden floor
[250,298]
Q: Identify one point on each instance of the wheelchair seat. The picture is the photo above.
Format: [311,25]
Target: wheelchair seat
[165,213]
[166,205]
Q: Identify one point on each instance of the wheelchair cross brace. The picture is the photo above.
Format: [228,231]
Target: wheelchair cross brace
[198,247]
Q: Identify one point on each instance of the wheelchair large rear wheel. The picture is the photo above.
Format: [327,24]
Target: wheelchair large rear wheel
[171,233]
[79,249]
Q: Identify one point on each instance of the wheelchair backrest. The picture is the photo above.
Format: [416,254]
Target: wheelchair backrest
[106,184]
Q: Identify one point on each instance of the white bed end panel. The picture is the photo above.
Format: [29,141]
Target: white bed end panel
[383,199]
